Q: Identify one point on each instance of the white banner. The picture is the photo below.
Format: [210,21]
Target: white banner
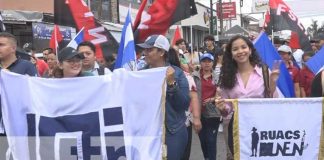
[279,129]
[100,117]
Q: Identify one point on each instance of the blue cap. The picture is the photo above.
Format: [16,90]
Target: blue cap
[207,55]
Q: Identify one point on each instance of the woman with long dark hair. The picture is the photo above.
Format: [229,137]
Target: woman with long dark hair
[193,113]
[241,77]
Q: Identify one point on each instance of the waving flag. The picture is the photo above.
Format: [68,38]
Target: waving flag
[283,18]
[126,53]
[56,38]
[76,13]
[268,54]
[176,36]
[49,121]
[79,38]
[2,26]
[161,15]
[316,63]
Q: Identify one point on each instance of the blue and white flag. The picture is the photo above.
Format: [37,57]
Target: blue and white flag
[126,52]
[268,54]
[316,63]
[79,38]
[61,119]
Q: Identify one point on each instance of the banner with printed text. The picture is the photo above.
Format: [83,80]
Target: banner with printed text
[86,118]
[278,129]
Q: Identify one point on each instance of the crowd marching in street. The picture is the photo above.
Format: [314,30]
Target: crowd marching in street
[200,81]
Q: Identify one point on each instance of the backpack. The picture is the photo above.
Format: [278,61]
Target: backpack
[101,70]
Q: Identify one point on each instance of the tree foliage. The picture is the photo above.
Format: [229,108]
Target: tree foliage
[315,29]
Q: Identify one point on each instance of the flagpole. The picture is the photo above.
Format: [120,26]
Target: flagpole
[75,36]
[272,36]
[191,37]
[55,42]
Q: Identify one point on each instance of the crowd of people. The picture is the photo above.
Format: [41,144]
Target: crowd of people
[198,82]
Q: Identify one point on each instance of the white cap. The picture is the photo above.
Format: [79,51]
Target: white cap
[158,41]
[284,48]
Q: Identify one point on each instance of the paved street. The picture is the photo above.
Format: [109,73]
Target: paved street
[196,153]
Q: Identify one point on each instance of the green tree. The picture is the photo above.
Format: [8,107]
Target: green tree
[314,29]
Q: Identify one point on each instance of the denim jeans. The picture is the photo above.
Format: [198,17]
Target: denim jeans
[208,137]
[176,143]
[186,154]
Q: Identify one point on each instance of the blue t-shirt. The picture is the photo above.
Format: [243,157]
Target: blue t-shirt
[23,67]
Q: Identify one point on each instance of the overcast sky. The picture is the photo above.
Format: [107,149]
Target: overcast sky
[306,10]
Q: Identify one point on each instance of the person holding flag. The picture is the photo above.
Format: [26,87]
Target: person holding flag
[243,76]
[126,57]
[306,75]
[156,48]
[286,54]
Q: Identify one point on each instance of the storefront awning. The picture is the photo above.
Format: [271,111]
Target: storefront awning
[21,16]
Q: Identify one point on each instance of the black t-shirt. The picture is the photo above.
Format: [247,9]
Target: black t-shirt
[23,67]
[214,51]
[316,89]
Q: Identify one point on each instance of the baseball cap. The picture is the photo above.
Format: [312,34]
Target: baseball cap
[68,53]
[207,55]
[284,48]
[319,37]
[158,41]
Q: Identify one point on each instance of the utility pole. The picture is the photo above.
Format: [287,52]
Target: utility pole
[211,18]
[241,16]
[230,20]
[99,9]
[220,4]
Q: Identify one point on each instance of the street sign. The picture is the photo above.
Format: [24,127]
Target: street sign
[228,10]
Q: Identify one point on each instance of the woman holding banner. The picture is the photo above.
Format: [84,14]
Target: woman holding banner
[243,76]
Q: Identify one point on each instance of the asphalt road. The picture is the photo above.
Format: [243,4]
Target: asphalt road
[196,153]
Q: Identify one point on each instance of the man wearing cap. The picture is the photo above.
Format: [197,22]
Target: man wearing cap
[319,41]
[156,48]
[285,53]
[206,80]
[90,64]
[70,63]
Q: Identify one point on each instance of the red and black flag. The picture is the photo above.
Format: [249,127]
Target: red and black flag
[2,26]
[75,13]
[283,18]
[160,16]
